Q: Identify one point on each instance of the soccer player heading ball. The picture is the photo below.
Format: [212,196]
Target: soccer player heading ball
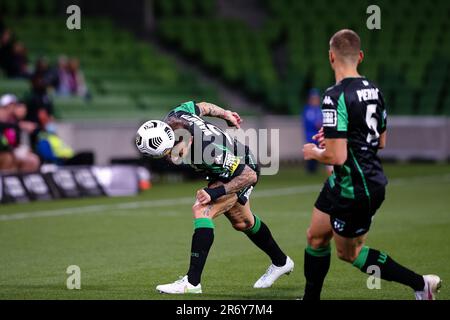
[354,128]
[186,138]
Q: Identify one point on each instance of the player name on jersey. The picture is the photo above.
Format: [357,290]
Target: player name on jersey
[367,94]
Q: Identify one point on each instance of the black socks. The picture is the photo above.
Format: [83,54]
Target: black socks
[316,265]
[389,269]
[263,239]
[202,241]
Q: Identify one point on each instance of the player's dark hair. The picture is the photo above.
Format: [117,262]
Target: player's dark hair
[346,44]
[177,123]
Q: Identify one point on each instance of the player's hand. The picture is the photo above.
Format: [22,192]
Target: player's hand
[309,151]
[320,138]
[203,197]
[233,119]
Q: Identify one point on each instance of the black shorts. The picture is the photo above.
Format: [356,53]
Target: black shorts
[349,218]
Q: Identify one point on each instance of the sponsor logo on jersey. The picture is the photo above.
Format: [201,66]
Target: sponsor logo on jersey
[327,100]
[367,94]
[329,117]
[231,162]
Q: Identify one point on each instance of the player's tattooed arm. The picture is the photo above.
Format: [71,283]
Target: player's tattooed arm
[245,179]
[209,109]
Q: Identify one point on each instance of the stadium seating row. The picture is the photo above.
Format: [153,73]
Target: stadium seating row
[126,78]
[409,57]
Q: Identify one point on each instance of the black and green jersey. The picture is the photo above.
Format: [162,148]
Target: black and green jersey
[354,109]
[213,152]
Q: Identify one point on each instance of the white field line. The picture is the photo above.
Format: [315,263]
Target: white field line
[189,200]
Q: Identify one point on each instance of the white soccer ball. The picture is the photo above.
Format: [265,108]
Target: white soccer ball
[154,138]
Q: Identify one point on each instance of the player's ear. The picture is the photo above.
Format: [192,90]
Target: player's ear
[331,57]
[361,56]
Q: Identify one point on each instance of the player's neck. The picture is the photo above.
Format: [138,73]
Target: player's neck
[342,72]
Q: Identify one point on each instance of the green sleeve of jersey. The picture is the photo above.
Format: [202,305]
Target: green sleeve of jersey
[189,107]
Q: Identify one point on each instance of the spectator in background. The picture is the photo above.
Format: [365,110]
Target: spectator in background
[19,62]
[6,50]
[78,83]
[13,56]
[15,156]
[52,149]
[39,105]
[312,122]
[70,78]
[64,86]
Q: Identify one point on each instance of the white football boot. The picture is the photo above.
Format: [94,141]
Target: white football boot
[432,286]
[273,273]
[180,286]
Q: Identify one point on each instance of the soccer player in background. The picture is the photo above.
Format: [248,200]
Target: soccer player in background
[312,122]
[233,173]
[354,129]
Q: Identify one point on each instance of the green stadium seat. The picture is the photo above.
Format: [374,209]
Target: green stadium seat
[398,58]
[403,104]
[118,68]
[101,107]
[17,87]
[48,7]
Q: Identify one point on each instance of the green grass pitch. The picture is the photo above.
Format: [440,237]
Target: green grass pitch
[126,246]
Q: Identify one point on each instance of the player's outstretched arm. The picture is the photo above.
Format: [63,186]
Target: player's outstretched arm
[245,179]
[209,109]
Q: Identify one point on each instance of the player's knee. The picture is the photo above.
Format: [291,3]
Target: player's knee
[347,256]
[316,241]
[242,225]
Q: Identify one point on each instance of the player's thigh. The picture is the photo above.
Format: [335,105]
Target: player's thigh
[319,232]
[348,248]
[214,209]
[241,216]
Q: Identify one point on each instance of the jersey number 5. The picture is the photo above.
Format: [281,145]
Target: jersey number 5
[372,123]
